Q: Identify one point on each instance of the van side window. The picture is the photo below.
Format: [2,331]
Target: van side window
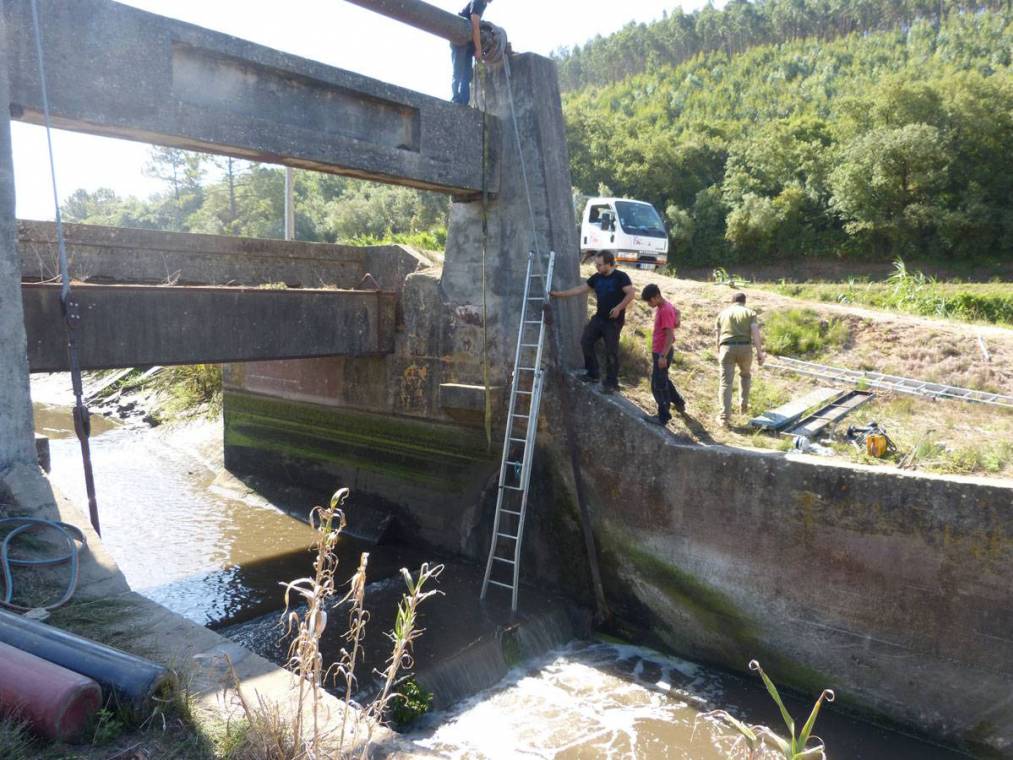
[597,212]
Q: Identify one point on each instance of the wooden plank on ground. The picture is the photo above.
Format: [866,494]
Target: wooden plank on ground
[786,414]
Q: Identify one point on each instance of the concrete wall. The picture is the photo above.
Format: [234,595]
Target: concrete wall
[890,587]
[16,427]
[432,387]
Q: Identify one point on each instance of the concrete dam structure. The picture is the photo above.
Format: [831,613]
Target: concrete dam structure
[892,588]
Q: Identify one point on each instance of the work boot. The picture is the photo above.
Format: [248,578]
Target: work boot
[656,420]
[609,389]
[586,378]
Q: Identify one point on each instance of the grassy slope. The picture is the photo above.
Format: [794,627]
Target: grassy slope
[948,436]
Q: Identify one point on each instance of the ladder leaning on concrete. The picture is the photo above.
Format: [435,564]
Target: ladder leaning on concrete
[503,566]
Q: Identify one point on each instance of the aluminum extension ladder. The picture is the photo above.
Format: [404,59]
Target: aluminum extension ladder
[503,566]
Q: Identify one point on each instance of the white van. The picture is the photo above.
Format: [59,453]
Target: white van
[632,230]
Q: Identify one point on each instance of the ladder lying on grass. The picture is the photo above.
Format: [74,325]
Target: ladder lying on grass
[503,566]
[890,382]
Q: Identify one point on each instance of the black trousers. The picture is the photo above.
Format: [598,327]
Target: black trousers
[602,328]
[664,391]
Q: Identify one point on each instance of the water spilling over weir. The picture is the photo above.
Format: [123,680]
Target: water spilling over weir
[199,544]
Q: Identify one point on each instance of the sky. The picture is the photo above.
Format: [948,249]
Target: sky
[334,32]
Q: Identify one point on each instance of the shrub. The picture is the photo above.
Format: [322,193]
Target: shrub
[194,386]
[801,332]
[410,703]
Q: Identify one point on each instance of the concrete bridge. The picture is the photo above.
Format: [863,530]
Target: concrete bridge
[175,298]
[891,587]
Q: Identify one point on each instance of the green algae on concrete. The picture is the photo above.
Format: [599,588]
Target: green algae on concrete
[736,635]
[430,455]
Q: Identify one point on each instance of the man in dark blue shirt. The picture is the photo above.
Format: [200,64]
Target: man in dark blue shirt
[461,55]
[613,293]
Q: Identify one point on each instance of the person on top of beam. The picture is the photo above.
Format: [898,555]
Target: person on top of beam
[461,55]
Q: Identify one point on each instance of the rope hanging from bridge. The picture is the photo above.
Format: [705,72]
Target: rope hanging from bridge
[69,306]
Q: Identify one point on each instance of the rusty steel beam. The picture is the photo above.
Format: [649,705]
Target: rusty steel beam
[137,325]
[422,16]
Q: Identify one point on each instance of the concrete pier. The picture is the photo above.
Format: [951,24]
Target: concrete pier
[16,429]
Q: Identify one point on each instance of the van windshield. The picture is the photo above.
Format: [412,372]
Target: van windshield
[640,219]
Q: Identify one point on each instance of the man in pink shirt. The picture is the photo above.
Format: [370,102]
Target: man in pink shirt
[666,319]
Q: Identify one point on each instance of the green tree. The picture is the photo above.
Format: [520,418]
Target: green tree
[888,187]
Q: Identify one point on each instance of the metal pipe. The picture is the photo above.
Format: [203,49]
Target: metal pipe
[57,703]
[424,16]
[134,681]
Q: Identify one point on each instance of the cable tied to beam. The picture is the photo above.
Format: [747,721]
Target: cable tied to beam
[69,306]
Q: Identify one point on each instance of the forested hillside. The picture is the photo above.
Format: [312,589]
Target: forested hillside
[871,144]
[740,25]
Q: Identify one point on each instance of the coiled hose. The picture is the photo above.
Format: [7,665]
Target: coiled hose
[71,536]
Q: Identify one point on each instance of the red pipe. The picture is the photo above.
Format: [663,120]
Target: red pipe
[57,703]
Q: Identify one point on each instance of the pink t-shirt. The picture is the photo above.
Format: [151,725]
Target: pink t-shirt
[666,317]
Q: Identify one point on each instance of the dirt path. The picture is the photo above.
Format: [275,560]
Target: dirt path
[944,436]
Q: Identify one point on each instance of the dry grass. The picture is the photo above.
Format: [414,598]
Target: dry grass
[947,436]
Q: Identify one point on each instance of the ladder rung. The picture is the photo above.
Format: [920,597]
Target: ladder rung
[511,488]
[520,440]
[529,345]
[516,464]
[504,585]
[522,416]
[536,298]
[528,369]
[532,322]
[500,559]
[524,393]
[536,275]
[507,535]
[510,512]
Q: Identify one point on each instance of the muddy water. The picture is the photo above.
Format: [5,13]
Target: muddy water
[209,553]
[610,700]
[214,551]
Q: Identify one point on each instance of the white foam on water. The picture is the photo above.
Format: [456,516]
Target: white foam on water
[577,702]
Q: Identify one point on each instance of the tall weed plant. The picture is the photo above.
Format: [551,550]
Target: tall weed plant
[304,730]
[758,741]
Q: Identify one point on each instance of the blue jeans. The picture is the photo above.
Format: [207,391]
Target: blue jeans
[461,56]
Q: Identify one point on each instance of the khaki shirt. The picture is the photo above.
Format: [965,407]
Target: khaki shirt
[735,325]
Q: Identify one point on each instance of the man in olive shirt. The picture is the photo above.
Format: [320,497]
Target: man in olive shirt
[738,333]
